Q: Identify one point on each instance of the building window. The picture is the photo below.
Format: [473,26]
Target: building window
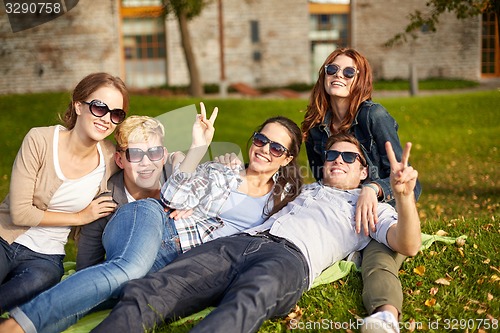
[144,39]
[329,28]
[254,32]
[490,57]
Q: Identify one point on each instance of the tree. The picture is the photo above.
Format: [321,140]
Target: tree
[462,8]
[186,10]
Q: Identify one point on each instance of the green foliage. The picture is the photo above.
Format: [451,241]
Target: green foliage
[190,8]
[456,151]
[462,9]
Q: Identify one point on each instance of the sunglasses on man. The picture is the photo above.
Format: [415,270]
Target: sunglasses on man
[347,156]
[100,109]
[348,72]
[276,149]
[135,155]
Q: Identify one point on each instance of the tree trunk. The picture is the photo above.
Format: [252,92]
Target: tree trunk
[195,86]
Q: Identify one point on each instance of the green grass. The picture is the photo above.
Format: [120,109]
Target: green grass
[428,84]
[456,143]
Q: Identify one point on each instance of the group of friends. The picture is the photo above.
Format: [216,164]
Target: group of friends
[161,236]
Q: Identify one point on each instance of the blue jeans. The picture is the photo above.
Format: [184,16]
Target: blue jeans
[133,238]
[25,273]
[248,278]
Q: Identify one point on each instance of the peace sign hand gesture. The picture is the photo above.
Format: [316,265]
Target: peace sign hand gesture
[203,128]
[403,176]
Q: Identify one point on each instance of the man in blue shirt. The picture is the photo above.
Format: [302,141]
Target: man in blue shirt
[262,273]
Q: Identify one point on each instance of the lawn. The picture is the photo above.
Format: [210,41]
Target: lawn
[455,149]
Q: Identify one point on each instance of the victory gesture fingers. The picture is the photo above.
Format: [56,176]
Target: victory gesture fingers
[203,128]
[403,176]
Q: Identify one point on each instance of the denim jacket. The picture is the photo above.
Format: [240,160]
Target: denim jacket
[372,126]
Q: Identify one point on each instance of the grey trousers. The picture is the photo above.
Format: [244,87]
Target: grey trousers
[381,284]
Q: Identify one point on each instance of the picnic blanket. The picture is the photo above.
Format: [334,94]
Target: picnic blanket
[333,273]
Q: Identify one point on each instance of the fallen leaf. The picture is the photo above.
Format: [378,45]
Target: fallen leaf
[486,261]
[441,233]
[490,297]
[412,325]
[461,251]
[480,311]
[433,291]
[494,278]
[443,281]
[419,270]
[495,269]
[460,242]
[430,302]
[296,314]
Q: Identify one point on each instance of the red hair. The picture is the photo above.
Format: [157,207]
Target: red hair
[319,101]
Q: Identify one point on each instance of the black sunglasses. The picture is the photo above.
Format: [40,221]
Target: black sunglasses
[347,156]
[100,109]
[276,149]
[135,155]
[349,72]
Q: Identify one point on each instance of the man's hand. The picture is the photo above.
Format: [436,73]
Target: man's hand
[404,236]
[99,207]
[230,160]
[403,176]
[180,214]
[366,211]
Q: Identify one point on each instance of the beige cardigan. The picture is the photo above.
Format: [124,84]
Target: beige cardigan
[34,182]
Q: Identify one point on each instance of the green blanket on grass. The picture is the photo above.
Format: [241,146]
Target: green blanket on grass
[332,273]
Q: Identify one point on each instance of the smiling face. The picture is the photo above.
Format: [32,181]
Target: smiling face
[260,158]
[337,84]
[144,175]
[342,175]
[98,128]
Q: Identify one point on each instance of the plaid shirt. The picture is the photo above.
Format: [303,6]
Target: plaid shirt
[204,191]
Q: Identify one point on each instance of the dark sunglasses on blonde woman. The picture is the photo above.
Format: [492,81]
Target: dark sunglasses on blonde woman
[100,109]
[276,149]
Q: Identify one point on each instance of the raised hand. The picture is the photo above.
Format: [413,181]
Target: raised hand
[403,176]
[202,135]
[203,128]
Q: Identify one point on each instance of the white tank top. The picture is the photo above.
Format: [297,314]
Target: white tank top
[72,196]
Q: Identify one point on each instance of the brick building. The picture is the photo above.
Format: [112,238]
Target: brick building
[56,55]
[266,43]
